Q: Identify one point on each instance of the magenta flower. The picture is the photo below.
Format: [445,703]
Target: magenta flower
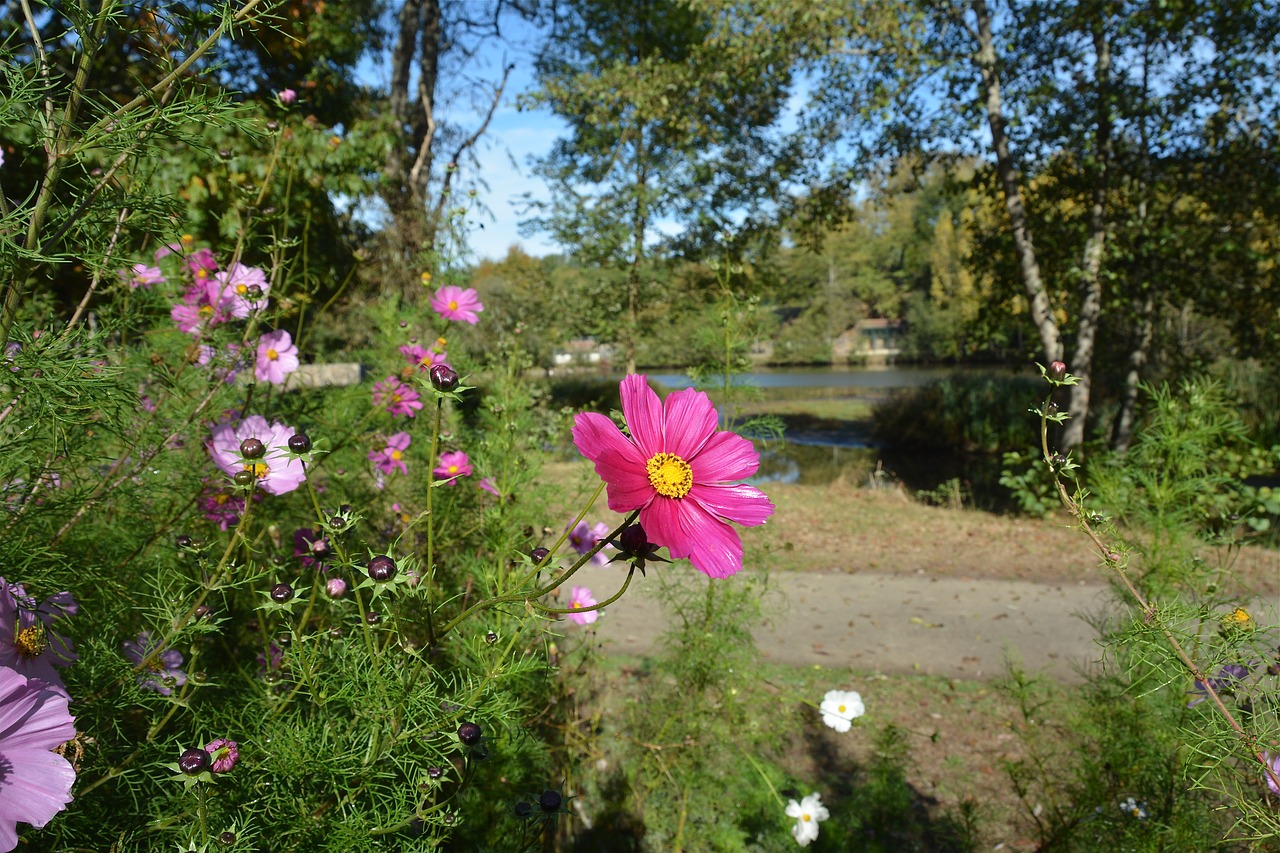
[310,546]
[237,295]
[163,673]
[28,643]
[583,538]
[36,781]
[675,468]
[277,357]
[201,264]
[489,486]
[220,506]
[421,357]
[390,458]
[335,587]
[454,303]
[142,276]
[452,466]
[278,471]
[580,597]
[286,96]
[225,753]
[396,397]
[200,308]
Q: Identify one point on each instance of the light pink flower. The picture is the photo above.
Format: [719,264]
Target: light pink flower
[489,486]
[200,308]
[34,721]
[277,357]
[287,96]
[236,295]
[142,276]
[278,471]
[1273,762]
[583,538]
[225,753]
[390,458]
[452,466]
[454,303]
[421,357]
[675,468]
[579,597]
[335,587]
[396,397]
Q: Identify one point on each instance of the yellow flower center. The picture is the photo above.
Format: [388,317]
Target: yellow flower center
[221,498]
[453,469]
[577,605]
[806,817]
[202,273]
[453,305]
[29,642]
[396,398]
[440,342]
[396,455]
[188,239]
[241,289]
[272,355]
[841,709]
[206,311]
[669,475]
[259,469]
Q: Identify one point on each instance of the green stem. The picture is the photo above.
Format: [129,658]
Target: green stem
[600,605]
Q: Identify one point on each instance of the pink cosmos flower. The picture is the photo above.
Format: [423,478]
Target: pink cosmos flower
[1273,762]
[28,643]
[675,468]
[287,96]
[310,546]
[335,587]
[225,753]
[201,264]
[164,672]
[34,721]
[277,357]
[236,295]
[397,397]
[278,471]
[454,303]
[452,466]
[390,458]
[142,276]
[580,596]
[220,506]
[419,356]
[489,486]
[200,308]
[583,538]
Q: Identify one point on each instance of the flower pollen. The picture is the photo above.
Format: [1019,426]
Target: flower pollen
[272,354]
[258,469]
[669,475]
[30,641]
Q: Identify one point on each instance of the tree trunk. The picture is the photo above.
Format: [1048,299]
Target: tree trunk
[1091,267]
[1123,435]
[1024,246]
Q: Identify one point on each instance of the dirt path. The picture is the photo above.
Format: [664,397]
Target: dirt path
[893,624]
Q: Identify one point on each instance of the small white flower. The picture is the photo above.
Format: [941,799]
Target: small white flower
[808,812]
[840,707]
[1133,808]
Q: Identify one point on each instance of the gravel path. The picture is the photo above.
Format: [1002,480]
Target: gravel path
[893,624]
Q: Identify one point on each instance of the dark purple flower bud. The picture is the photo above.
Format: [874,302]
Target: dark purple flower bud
[443,377]
[435,772]
[194,761]
[469,733]
[254,292]
[227,838]
[282,593]
[299,443]
[539,554]
[373,618]
[183,541]
[523,809]
[225,153]
[269,210]
[1057,370]
[252,448]
[202,611]
[382,568]
[273,125]
[243,478]
[550,801]
[491,638]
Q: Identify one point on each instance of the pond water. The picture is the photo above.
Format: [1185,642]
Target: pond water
[819,450]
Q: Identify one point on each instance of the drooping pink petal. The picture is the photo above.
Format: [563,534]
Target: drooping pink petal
[40,784]
[687,530]
[726,456]
[643,411]
[739,502]
[689,421]
[617,461]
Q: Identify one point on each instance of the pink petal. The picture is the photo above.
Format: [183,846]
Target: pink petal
[726,456]
[744,504]
[643,411]
[690,421]
[39,785]
[618,461]
[688,530]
